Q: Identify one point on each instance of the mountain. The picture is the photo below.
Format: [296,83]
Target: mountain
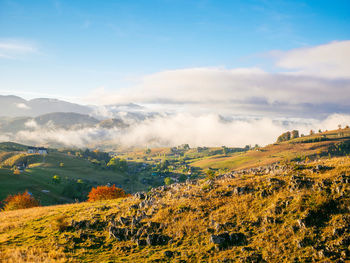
[13,106]
[67,120]
[56,120]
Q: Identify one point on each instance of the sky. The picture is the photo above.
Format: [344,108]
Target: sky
[254,57]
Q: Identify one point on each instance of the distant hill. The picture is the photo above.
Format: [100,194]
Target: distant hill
[65,120]
[14,106]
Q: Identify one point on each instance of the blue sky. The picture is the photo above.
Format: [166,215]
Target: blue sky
[68,49]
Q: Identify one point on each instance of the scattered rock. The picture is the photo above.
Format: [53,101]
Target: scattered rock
[118,233]
[225,239]
[168,253]
[221,240]
[238,239]
[124,221]
[141,242]
[140,195]
[157,240]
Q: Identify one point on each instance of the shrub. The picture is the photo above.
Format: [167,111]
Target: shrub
[206,187]
[56,179]
[210,174]
[105,193]
[20,201]
[60,223]
[118,164]
[168,181]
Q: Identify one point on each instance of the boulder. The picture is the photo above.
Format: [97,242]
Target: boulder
[80,224]
[141,242]
[140,195]
[157,240]
[124,221]
[225,239]
[222,240]
[168,253]
[238,239]
[153,225]
[119,233]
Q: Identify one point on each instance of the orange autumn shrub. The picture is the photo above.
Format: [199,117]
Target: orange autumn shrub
[105,193]
[20,201]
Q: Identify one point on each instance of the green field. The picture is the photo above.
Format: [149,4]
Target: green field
[146,168]
[75,175]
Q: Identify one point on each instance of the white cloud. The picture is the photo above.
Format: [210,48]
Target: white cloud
[31,124]
[176,129]
[317,80]
[22,106]
[329,60]
[235,91]
[13,49]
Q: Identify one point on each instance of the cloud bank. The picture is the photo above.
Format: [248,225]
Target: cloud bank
[218,106]
[327,60]
[312,82]
[176,129]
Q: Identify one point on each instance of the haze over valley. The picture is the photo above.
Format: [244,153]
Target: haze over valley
[174,131]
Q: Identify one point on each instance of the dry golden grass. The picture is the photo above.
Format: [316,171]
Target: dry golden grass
[33,255]
[188,213]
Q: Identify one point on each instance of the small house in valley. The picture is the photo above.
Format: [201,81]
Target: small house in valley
[39,150]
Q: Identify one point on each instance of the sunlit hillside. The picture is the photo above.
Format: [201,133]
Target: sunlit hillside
[295,212]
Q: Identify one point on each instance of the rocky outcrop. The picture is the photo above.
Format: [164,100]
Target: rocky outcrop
[225,239]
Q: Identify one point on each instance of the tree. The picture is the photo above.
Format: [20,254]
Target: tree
[118,164]
[284,137]
[295,134]
[148,151]
[164,165]
[105,193]
[224,150]
[168,180]
[20,201]
[56,179]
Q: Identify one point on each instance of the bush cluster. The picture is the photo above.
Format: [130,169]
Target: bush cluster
[20,201]
[105,193]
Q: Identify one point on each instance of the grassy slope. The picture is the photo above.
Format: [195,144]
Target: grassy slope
[39,177]
[41,170]
[275,152]
[188,212]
